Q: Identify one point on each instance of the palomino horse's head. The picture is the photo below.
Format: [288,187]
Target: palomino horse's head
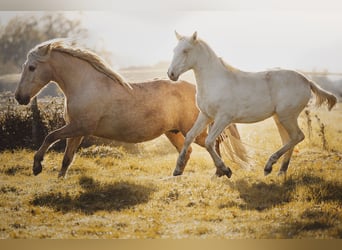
[36,73]
[183,57]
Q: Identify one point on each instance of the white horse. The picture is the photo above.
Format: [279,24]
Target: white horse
[227,95]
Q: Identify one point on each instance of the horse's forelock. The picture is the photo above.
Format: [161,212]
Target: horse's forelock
[40,52]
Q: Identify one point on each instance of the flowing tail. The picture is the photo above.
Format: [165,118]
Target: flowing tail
[322,96]
[231,141]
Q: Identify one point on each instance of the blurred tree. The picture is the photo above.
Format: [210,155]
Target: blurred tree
[22,33]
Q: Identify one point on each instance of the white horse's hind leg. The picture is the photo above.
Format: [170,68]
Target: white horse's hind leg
[285,139]
[295,136]
[216,129]
[200,124]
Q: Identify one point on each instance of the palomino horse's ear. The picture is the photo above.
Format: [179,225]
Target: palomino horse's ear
[194,36]
[179,37]
[45,49]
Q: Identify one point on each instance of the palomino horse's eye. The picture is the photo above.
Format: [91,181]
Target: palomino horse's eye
[31,68]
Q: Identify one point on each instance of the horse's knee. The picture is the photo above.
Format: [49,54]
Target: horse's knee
[209,143]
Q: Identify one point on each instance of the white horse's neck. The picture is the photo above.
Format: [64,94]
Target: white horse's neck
[208,67]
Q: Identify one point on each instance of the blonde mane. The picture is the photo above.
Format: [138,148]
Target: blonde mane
[42,51]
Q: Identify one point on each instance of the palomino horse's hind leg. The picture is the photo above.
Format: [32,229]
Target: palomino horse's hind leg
[177,139]
[215,130]
[70,150]
[200,124]
[295,136]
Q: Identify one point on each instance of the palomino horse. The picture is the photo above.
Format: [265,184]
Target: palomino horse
[227,95]
[99,102]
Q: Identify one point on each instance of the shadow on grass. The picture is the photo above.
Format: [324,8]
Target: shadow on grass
[260,196]
[314,222]
[97,196]
[303,188]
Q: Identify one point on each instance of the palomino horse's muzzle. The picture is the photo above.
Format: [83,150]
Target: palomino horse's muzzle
[22,100]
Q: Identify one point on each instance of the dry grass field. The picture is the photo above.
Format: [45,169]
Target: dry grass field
[110,193]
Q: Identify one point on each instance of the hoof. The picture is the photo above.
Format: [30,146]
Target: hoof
[37,169]
[227,172]
[219,173]
[177,172]
[61,175]
[267,171]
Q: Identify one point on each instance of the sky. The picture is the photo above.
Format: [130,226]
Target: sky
[248,37]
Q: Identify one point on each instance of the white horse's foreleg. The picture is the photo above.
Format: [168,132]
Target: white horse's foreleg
[216,129]
[200,124]
[67,131]
[70,150]
[295,136]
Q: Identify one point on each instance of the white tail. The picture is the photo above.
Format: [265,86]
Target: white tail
[323,96]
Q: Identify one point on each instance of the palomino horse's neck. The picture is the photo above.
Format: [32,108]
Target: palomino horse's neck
[71,74]
[60,70]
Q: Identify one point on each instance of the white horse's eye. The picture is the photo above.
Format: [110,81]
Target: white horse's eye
[185,51]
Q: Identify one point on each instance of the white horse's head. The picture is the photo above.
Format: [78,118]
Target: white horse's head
[183,57]
[36,73]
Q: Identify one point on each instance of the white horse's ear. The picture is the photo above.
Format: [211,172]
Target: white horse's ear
[179,37]
[194,36]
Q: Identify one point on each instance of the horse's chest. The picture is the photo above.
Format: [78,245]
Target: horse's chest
[207,106]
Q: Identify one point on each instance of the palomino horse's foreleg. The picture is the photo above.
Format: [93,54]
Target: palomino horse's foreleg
[177,139]
[67,131]
[216,129]
[295,136]
[200,124]
[70,150]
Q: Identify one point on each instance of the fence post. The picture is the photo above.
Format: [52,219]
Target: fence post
[35,122]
